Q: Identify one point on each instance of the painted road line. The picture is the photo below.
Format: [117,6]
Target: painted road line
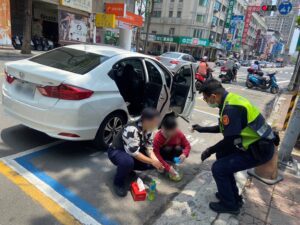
[52,194]
[55,209]
[207,113]
[284,81]
[36,149]
[78,208]
[89,211]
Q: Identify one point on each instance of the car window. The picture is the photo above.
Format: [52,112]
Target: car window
[167,75]
[186,58]
[184,75]
[154,74]
[172,55]
[72,60]
[192,59]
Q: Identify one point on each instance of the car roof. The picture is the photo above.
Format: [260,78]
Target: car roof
[105,50]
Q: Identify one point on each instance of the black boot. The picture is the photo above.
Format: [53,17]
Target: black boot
[218,207]
[239,200]
[121,191]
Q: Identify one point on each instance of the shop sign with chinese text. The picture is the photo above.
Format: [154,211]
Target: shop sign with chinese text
[84,5]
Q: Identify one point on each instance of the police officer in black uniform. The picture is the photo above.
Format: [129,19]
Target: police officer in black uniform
[132,149]
[248,142]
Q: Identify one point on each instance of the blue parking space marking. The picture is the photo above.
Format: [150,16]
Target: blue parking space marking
[59,188]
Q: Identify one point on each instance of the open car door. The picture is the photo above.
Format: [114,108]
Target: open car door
[183,91]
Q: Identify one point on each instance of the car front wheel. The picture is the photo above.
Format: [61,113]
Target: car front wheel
[109,128]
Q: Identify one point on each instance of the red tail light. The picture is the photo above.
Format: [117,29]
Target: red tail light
[174,62]
[9,78]
[68,134]
[66,92]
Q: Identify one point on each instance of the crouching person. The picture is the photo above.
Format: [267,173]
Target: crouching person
[132,149]
[170,142]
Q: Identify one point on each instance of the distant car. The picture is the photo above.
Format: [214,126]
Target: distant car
[270,65]
[245,63]
[89,92]
[220,62]
[174,60]
[263,64]
[279,64]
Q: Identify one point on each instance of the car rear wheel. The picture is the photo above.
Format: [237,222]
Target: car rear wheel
[109,128]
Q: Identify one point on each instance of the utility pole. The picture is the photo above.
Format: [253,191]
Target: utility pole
[138,30]
[149,11]
[26,46]
[292,132]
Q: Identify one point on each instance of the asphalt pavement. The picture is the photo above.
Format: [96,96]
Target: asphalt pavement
[76,179]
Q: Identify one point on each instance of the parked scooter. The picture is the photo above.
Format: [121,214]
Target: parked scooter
[226,75]
[200,79]
[16,42]
[37,43]
[257,79]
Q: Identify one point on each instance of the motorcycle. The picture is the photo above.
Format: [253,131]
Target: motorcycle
[200,79]
[226,75]
[257,79]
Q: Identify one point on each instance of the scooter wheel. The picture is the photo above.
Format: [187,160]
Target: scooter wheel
[249,84]
[274,90]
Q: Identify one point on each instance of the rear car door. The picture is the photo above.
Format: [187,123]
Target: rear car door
[156,91]
[183,91]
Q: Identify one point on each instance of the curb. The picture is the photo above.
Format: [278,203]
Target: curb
[17,53]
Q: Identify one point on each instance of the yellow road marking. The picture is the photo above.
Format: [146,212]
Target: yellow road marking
[57,211]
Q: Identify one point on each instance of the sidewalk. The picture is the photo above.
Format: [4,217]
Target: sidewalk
[264,205]
[4,52]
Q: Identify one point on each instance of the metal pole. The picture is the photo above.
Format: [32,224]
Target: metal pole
[290,137]
[292,132]
[292,83]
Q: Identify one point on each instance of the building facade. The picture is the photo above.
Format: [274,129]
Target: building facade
[284,24]
[60,21]
[194,26]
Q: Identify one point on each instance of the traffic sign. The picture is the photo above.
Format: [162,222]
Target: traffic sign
[285,8]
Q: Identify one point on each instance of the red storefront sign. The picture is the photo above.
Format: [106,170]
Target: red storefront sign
[132,19]
[249,11]
[118,9]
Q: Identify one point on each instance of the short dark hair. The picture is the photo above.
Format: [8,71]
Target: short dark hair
[169,122]
[149,114]
[212,86]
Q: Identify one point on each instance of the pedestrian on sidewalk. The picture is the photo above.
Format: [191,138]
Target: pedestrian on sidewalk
[248,142]
[169,142]
[132,149]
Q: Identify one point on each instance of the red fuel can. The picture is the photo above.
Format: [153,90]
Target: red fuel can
[136,194]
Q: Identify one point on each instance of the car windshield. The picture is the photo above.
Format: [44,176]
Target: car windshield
[69,59]
[172,55]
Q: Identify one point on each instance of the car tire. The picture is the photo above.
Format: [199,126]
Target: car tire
[113,123]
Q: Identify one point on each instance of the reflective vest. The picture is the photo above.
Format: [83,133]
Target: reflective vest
[256,128]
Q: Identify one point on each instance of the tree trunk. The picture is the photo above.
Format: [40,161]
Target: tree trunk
[26,47]
[149,16]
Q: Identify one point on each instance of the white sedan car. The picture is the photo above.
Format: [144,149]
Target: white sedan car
[88,92]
